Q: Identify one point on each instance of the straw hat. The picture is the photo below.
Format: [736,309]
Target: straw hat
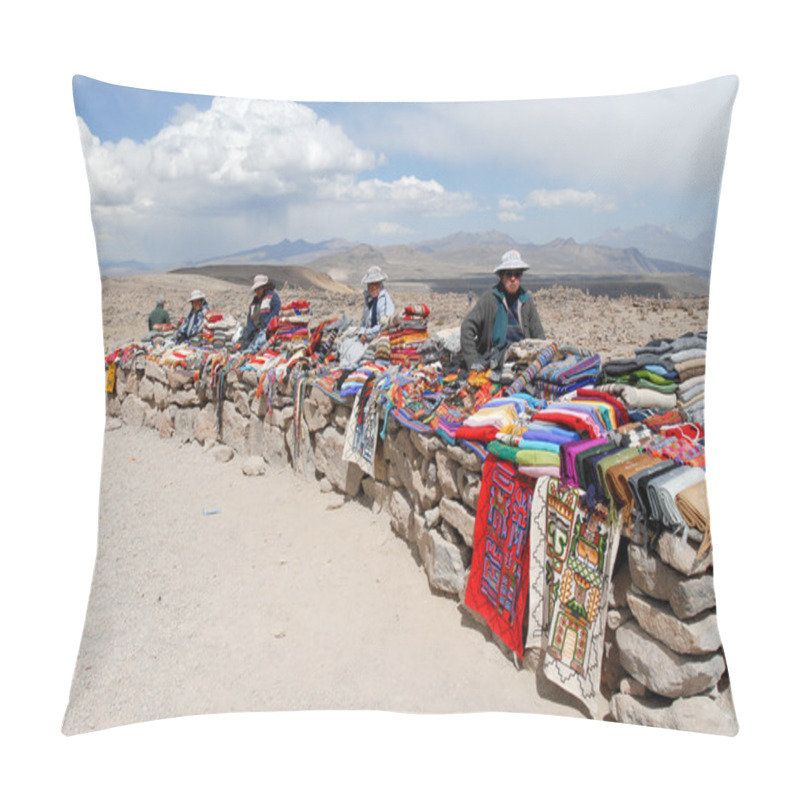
[374,275]
[259,280]
[511,260]
[196,295]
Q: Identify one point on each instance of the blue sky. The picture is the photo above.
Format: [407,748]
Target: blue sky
[176,178]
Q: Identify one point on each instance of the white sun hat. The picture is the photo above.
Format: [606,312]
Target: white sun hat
[511,260]
[374,275]
[259,280]
[196,295]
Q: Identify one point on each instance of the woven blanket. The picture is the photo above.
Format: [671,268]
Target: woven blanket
[361,434]
[498,580]
[572,553]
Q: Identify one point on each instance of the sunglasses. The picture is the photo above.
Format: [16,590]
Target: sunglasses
[513,273]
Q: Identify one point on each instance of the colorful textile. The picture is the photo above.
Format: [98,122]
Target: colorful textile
[572,553]
[498,580]
[361,434]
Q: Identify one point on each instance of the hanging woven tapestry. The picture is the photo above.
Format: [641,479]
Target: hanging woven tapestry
[498,580]
[361,436]
[572,553]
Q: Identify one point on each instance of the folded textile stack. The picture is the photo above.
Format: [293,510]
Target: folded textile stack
[219,330]
[354,380]
[291,325]
[569,369]
[407,330]
[663,375]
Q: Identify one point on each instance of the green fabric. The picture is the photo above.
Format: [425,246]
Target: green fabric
[158,316]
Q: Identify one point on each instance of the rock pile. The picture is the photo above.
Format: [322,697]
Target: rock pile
[663,664]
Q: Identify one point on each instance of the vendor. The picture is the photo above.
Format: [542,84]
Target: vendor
[159,315]
[377,304]
[505,314]
[264,307]
[192,324]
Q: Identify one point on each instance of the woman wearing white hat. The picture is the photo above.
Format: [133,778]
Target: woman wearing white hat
[192,324]
[503,315]
[377,304]
[263,309]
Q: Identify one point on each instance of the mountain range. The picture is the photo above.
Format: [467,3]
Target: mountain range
[637,254]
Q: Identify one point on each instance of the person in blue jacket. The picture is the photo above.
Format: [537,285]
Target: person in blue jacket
[263,309]
[377,304]
[192,324]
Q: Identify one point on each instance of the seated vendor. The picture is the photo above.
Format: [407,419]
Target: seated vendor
[192,324]
[158,316]
[505,314]
[377,304]
[264,307]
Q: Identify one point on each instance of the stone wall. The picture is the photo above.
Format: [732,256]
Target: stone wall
[663,660]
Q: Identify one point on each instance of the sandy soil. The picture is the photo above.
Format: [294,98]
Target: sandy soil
[610,326]
[260,607]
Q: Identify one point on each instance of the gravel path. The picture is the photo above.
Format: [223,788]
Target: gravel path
[286,598]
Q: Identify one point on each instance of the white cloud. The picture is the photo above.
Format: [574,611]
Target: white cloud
[260,161]
[568,198]
[665,140]
[392,229]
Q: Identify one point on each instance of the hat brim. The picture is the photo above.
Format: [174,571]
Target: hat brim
[511,268]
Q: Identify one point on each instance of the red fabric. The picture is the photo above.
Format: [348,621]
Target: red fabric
[593,394]
[497,587]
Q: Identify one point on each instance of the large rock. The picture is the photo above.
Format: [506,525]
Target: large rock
[687,596]
[699,714]
[378,492]
[401,511]
[155,372]
[179,379]
[426,444]
[134,411]
[253,466]
[697,636]
[183,423]
[273,445]
[343,475]
[443,563]
[314,416]
[466,458]
[458,516]
[161,395]
[235,428]
[146,389]
[186,397]
[469,486]
[681,555]
[446,470]
[300,449]
[663,671]
[620,583]
[205,424]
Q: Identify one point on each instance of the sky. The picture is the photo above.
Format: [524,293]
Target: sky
[176,178]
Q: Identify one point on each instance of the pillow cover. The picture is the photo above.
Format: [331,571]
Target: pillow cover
[293,405]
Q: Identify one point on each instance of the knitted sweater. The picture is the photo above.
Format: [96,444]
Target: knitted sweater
[481,330]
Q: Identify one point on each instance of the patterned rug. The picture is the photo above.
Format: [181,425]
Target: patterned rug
[498,580]
[572,554]
[361,435]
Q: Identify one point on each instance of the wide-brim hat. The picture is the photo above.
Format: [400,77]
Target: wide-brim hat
[511,260]
[374,275]
[258,281]
[196,295]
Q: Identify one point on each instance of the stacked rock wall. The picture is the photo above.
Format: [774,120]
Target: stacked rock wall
[663,665]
